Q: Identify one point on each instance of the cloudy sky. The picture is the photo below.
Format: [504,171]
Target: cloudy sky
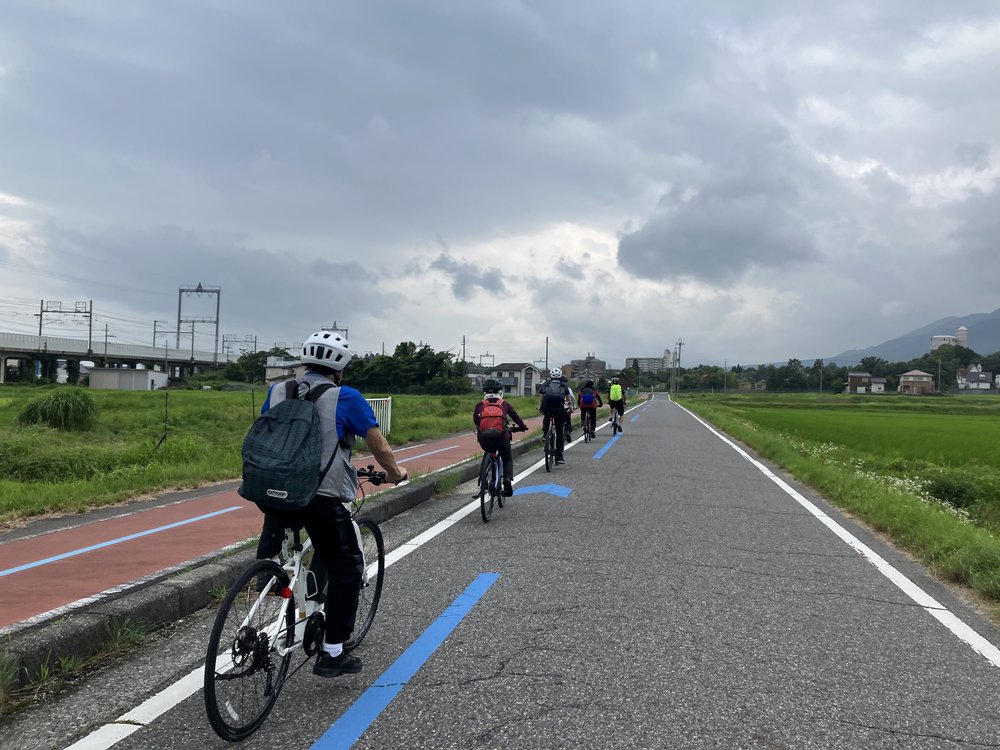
[760,180]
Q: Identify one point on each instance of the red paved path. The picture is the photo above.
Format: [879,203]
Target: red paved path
[50,585]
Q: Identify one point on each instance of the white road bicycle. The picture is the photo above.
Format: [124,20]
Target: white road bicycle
[272,610]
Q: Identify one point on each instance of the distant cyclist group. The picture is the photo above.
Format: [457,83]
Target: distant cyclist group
[556,402]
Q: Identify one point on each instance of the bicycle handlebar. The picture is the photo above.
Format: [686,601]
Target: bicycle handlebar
[373,476]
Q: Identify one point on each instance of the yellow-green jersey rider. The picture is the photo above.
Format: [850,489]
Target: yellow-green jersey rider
[616,400]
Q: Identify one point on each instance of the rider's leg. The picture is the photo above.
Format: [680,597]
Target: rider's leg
[332,534]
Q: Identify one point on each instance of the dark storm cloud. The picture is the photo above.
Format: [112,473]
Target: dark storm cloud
[726,228]
[466,277]
[260,289]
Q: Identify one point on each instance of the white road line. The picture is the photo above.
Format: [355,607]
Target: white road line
[934,608]
[154,707]
[429,453]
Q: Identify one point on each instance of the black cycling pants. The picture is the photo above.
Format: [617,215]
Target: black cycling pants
[559,417]
[592,411]
[332,533]
[502,446]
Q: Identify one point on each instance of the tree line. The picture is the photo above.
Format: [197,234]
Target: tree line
[409,369]
[821,376]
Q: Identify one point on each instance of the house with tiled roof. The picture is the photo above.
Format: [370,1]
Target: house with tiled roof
[973,378]
[916,382]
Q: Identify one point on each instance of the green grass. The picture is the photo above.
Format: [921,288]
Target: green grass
[123,455]
[925,471]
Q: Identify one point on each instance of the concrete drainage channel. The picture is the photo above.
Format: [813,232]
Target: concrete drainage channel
[36,648]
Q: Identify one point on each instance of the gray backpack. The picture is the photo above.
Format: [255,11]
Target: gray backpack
[553,396]
[282,452]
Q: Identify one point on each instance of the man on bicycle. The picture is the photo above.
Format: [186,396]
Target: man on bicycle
[616,400]
[343,413]
[492,430]
[552,404]
[588,400]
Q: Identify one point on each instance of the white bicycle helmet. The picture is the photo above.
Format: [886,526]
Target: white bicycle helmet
[555,372]
[327,348]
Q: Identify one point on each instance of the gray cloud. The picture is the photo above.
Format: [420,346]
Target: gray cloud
[728,227]
[466,277]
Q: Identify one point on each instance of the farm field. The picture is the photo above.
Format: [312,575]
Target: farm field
[925,471]
[44,470]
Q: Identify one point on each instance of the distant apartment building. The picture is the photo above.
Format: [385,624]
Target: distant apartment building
[961,338]
[589,367]
[651,364]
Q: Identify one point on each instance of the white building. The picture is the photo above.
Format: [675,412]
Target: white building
[961,338]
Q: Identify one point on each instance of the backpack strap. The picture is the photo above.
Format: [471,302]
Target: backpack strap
[313,395]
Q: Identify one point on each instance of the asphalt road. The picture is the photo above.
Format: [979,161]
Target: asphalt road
[676,597]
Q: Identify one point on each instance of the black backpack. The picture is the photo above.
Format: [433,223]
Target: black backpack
[553,395]
[282,452]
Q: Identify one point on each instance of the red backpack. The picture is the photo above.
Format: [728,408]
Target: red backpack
[491,419]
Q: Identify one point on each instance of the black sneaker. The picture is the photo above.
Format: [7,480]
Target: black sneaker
[507,489]
[559,461]
[334,666]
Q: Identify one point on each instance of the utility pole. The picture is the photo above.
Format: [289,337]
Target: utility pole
[546,354]
[79,308]
[463,347]
[106,337]
[158,323]
[199,290]
[337,329]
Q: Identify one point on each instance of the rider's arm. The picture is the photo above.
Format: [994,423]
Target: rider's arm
[512,413]
[382,452]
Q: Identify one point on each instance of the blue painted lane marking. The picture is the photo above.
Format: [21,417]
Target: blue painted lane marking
[552,489]
[635,417]
[356,719]
[130,537]
[607,445]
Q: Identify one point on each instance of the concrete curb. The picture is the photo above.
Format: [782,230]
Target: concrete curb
[38,650]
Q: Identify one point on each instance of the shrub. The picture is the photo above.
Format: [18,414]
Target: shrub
[64,409]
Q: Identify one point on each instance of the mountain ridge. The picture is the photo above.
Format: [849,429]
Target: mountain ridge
[984,338]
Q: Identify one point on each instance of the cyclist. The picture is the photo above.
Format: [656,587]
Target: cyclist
[552,404]
[343,413]
[492,430]
[588,400]
[616,400]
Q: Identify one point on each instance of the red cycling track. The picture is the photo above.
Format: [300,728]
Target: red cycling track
[55,569]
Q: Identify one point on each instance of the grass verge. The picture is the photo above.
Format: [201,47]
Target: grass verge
[888,495]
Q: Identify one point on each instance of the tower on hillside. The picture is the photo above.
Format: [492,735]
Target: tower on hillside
[962,336]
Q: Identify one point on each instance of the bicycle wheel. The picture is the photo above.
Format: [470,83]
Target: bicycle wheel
[497,485]
[243,672]
[373,548]
[548,441]
[487,476]
[586,429]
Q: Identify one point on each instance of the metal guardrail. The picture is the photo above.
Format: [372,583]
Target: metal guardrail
[383,412]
